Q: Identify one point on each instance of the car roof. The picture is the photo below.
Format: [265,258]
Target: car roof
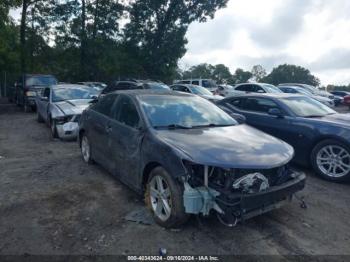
[187,85]
[68,86]
[151,92]
[270,95]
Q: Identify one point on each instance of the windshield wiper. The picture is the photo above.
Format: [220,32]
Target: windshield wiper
[174,126]
[213,125]
[312,116]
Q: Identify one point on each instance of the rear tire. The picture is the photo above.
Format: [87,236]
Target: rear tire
[164,198]
[331,160]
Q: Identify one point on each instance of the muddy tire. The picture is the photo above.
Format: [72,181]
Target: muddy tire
[164,198]
[331,160]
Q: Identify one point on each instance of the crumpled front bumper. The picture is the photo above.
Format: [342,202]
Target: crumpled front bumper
[68,130]
[239,207]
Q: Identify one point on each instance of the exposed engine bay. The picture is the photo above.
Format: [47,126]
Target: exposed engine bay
[238,194]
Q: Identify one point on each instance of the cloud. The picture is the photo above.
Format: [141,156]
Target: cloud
[338,58]
[309,33]
[287,22]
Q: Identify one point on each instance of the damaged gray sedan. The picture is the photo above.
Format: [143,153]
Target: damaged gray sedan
[187,156]
[60,106]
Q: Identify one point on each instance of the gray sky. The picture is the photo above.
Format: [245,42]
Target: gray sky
[311,33]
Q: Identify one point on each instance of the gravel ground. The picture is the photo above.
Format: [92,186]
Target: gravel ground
[53,203]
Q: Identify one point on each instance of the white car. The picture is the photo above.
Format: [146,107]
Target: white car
[255,88]
[60,106]
[225,90]
[207,83]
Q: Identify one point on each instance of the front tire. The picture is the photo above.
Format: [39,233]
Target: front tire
[85,148]
[164,198]
[331,160]
[53,128]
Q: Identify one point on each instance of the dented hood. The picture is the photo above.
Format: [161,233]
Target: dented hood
[239,146]
[73,107]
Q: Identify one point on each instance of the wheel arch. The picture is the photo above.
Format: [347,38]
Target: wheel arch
[326,137]
[147,171]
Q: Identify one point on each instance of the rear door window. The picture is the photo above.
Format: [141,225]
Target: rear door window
[261,105]
[105,104]
[126,113]
[245,88]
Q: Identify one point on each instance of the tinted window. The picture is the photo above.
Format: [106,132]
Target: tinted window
[246,88]
[126,112]
[105,104]
[259,104]
[195,82]
[258,89]
[46,92]
[184,82]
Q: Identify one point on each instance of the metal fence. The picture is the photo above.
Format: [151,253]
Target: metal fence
[7,80]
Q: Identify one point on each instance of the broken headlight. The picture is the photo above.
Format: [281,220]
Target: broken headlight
[63,119]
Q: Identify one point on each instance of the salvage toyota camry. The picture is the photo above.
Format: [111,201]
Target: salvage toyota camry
[187,156]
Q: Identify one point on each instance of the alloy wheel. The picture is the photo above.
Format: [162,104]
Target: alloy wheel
[85,149]
[160,197]
[333,161]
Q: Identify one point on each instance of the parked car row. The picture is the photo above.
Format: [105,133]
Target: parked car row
[191,152]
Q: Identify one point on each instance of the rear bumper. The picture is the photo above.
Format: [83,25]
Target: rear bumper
[245,206]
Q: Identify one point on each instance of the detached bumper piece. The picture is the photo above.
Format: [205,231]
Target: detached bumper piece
[239,207]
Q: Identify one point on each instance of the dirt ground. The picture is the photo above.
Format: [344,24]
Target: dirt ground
[53,203]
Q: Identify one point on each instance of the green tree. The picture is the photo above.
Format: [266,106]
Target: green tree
[222,74]
[291,74]
[240,76]
[258,73]
[156,31]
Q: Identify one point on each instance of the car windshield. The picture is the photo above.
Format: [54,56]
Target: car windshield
[272,88]
[307,107]
[199,90]
[71,93]
[41,81]
[183,112]
[303,91]
[159,86]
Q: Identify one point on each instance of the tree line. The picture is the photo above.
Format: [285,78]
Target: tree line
[99,40]
[281,74]
[103,40]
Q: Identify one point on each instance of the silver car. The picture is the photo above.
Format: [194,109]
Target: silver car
[60,106]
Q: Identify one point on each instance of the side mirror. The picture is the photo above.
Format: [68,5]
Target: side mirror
[241,119]
[94,100]
[275,112]
[261,91]
[44,98]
